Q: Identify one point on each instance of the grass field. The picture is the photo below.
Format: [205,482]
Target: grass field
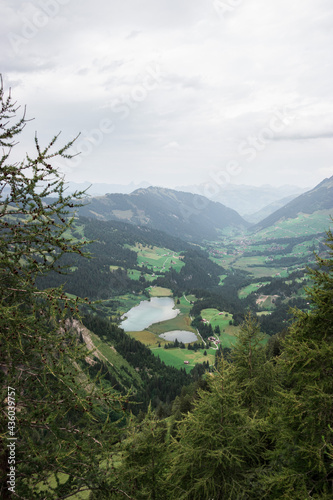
[187,299]
[217,318]
[76,233]
[114,268]
[158,291]
[260,271]
[147,338]
[255,265]
[158,259]
[253,287]
[229,251]
[109,354]
[135,274]
[128,301]
[224,261]
[228,335]
[222,278]
[176,357]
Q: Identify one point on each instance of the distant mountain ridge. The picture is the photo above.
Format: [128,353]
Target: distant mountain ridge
[184,215]
[266,211]
[247,200]
[318,198]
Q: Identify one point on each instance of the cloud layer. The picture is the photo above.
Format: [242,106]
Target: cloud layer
[177,92]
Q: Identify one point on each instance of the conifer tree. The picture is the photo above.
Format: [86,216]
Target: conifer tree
[144,463]
[301,464]
[54,421]
[217,446]
[254,374]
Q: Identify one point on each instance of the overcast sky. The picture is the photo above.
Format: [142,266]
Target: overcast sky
[176,92]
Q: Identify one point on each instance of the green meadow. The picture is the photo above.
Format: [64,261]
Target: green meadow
[158,259]
[176,357]
[180,322]
[221,319]
[147,338]
[127,301]
[303,224]
[253,287]
[158,291]
[266,301]
[135,274]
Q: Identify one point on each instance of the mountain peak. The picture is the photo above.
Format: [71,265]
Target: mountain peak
[184,215]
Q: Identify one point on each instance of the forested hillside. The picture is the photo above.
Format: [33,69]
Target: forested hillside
[184,215]
[110,245]
[107,274]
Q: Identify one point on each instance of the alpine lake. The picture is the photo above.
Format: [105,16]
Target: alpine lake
[153,311]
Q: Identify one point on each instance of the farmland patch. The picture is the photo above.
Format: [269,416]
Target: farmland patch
[176,357]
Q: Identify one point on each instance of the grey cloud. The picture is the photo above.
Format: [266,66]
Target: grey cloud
[133,34]
[182,81]
[220,81]
[304,136]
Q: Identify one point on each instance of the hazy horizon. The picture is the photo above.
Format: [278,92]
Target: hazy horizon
[228,185]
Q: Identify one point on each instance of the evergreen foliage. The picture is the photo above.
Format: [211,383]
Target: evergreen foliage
[217,445]
[144,464]
[302,415]
[55,418]
[254,375]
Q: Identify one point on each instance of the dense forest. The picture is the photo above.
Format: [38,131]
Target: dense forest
[107,246]
[160,384]
[258,424]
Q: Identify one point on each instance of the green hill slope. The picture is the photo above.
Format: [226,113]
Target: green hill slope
[316,200]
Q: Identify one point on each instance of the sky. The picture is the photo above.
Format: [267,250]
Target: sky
[175,92]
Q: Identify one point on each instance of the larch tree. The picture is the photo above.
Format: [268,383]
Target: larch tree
[55,421]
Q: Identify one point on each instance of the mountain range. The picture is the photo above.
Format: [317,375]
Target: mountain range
[184,215]
[254,203]
[193,217]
